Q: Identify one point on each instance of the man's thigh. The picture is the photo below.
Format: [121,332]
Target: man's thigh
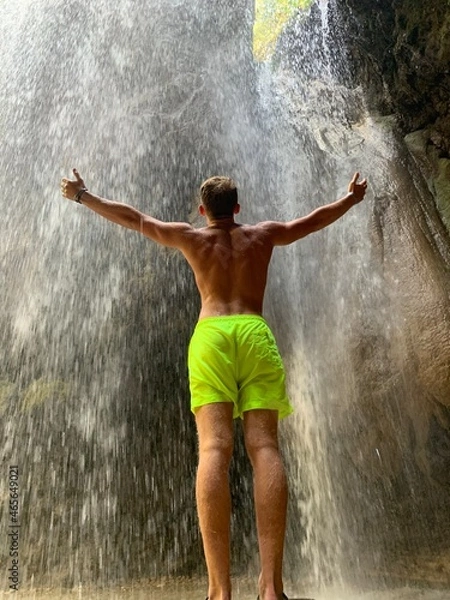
[215,426]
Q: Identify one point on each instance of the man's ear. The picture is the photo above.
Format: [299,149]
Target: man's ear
[237,208]
[201,210]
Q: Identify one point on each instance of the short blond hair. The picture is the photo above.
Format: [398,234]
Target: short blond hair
[219,196]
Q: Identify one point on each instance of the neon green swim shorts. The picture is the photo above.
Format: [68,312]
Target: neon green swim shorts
[235,359]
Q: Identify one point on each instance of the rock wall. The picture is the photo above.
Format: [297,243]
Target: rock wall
[400,53]
[368,81]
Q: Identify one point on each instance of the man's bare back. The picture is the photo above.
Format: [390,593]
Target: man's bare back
[230,263]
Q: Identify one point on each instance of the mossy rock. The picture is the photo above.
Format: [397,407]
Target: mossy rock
[42,392]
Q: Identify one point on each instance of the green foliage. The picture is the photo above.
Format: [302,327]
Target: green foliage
[270,18]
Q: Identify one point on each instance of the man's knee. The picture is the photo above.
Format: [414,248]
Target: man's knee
[219,446]
[260,449]
[215,431]
[260,434]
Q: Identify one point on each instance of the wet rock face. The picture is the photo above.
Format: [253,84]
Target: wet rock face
[401,52]
[387,63]
[402,59]
[398,51]
[421,81]
[401,55]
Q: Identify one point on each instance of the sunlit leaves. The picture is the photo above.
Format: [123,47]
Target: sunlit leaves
[270,18]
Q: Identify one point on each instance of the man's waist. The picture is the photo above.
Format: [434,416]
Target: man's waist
[214,308]
[232,316]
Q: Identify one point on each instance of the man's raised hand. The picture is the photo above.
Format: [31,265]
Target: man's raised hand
[357,189]
[73,188]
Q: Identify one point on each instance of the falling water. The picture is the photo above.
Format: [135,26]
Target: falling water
[146,99]
[358,307]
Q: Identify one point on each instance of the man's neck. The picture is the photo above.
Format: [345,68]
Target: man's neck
[221,222]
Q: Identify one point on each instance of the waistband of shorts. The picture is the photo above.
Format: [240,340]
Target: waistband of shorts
[249,318]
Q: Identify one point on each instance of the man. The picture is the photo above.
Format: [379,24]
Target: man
[234,366]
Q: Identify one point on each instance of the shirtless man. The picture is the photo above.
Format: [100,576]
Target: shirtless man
[235,369]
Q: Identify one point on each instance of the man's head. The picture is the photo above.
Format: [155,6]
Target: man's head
[218,198]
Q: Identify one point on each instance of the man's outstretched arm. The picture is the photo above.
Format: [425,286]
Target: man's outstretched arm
[291,231]
[168,234]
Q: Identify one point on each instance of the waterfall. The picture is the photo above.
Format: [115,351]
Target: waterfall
[147,99]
